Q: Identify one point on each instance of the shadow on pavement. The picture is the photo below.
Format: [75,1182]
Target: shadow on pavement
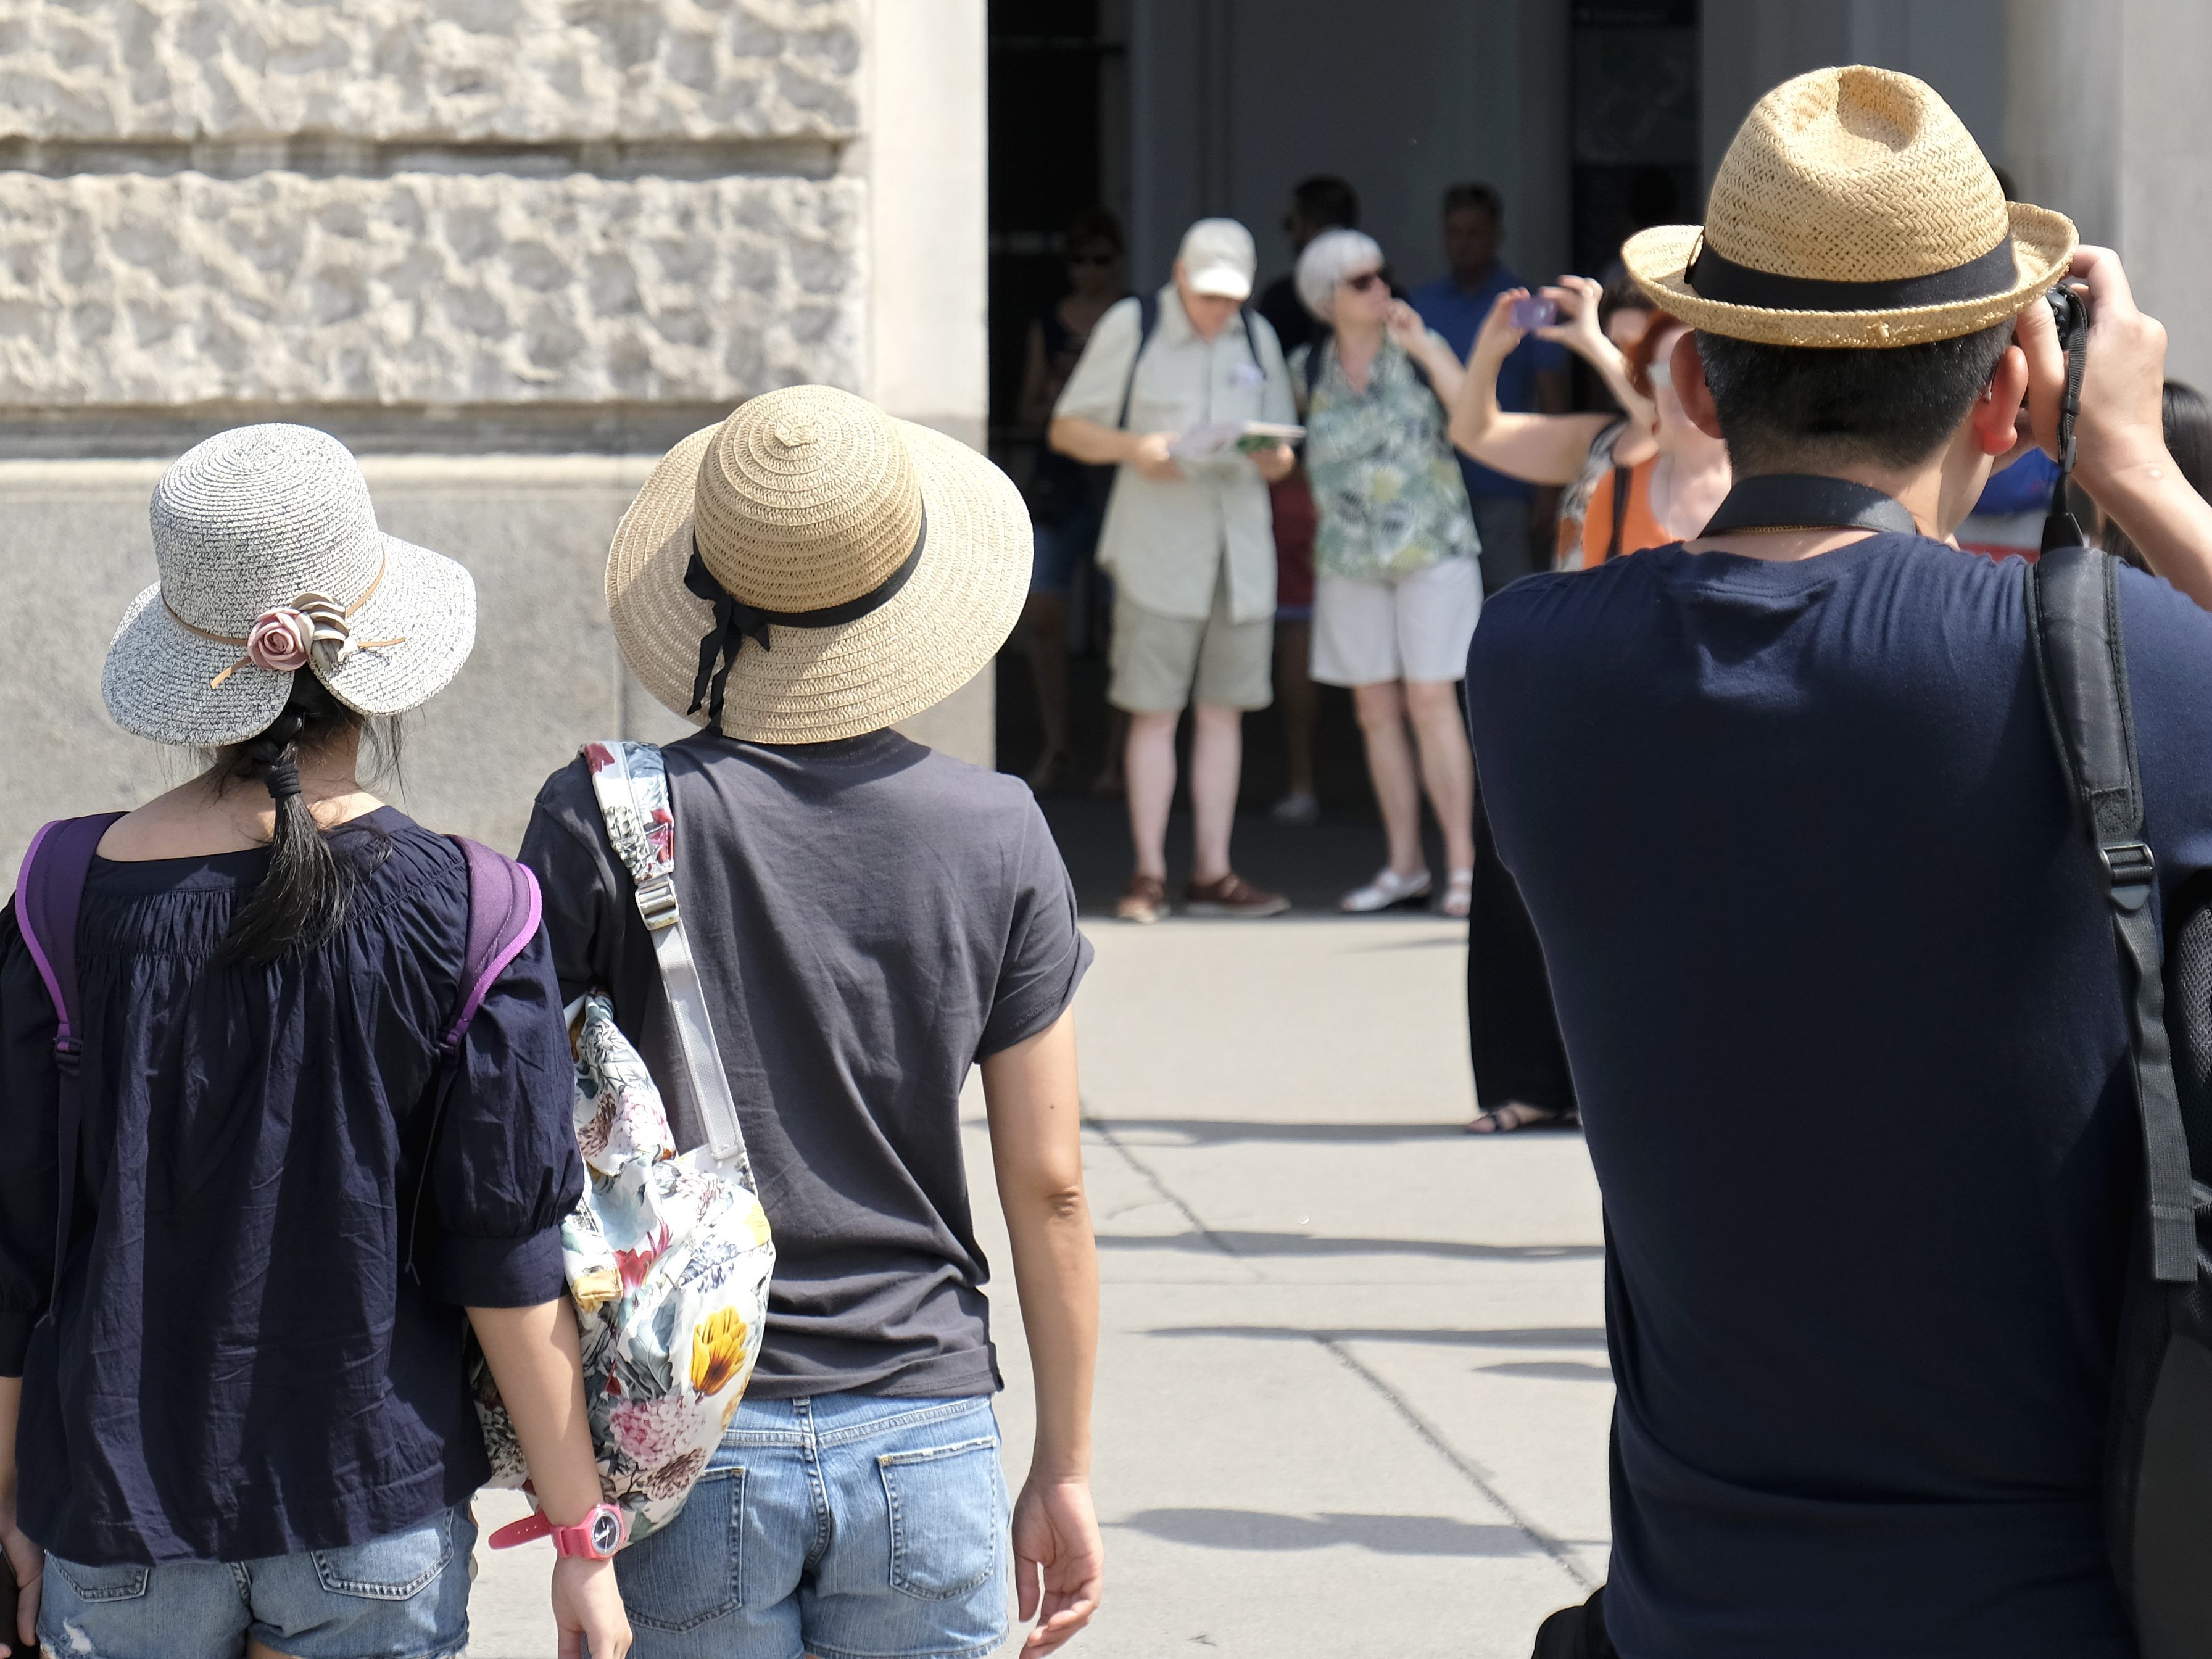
[1224,1132]
[1244,1244]
[1386,1535]
[1556,1370]
[1555,1336]
[1314,865]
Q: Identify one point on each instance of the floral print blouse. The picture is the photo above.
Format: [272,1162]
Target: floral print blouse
[1385,481]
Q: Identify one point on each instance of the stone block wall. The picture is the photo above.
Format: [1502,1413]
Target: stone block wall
[431,71]
[449,231]
[427,202]
[423,288]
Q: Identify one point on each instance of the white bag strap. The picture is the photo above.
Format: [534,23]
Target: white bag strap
[635,800]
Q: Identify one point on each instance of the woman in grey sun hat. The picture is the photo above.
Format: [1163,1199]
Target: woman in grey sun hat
[271,562]
[312,1125]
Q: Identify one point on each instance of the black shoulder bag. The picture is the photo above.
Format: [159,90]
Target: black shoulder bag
[2158,1485]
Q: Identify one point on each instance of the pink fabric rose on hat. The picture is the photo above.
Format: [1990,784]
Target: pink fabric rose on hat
[279,640]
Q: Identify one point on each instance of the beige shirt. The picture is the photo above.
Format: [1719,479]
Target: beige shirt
[1167,544]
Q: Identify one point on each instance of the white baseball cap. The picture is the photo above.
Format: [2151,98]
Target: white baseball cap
[1218,259]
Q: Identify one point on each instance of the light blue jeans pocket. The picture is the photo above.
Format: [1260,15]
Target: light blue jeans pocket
[402,1596]
[930,1491]
[692,1570]
[845,1526]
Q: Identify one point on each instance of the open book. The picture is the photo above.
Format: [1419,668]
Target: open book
[1245,436]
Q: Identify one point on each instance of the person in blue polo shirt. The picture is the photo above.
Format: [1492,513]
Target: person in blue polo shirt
[1533,381]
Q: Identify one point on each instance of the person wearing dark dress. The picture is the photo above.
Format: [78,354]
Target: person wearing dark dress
[1319,204]
[234,1417]
[1067,500]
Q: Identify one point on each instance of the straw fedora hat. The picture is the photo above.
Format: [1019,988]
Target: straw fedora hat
[1852,209]
[813,569]
[270,562]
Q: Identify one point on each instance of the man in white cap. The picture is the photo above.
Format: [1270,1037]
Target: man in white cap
[1189,542]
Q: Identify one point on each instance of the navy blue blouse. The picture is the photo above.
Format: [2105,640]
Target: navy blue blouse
[238,1367]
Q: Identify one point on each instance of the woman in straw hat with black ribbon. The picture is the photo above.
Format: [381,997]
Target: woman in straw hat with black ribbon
[870,919]
[238,1398]
[1836,973]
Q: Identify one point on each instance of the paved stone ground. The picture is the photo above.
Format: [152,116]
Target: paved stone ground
[1353,1391]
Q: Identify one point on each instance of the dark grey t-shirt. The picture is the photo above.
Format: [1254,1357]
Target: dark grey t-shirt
[870,918]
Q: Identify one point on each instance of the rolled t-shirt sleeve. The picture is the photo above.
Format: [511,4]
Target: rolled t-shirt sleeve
[505,1171]
[1046,955]
[579,890]
[1094,391]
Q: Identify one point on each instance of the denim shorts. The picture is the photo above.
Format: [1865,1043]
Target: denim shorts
[847,1527]
[403,1596]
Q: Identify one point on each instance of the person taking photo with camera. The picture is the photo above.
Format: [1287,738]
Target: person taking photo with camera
[1836,977]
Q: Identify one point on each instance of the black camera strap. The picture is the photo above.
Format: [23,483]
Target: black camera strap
[1807,500]
[2070,313]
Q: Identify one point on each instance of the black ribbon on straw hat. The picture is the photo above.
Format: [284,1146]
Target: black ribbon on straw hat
[1713,276]
[736,621]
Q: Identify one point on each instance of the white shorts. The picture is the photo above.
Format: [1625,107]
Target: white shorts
[1418,628]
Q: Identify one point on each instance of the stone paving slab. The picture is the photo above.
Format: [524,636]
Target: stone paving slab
[1353,1383]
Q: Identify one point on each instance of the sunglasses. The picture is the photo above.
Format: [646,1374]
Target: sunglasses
[1364,280]
[1099,260]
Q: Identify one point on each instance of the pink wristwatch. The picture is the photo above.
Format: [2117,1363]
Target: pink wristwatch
[603,1530]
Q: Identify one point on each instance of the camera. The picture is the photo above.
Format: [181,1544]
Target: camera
[1535,312]
[2071,312]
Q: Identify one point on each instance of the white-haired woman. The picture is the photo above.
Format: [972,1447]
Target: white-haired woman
[1397,587]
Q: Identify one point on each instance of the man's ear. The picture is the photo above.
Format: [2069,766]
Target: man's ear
[1997,409]
[1688,365]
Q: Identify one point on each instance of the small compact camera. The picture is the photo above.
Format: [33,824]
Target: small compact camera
[1534,312]
[2071,312]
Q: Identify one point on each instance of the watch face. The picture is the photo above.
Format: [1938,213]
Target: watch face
[606,1530]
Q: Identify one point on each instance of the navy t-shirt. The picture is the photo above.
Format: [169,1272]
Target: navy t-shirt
[1845,1019]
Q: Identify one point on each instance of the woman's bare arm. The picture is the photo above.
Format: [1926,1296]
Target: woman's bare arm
[1543,449]
[1036,1144]
[537,1360]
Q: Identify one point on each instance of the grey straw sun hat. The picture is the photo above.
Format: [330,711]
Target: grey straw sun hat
[813,569]
[271,561]
[1853,208]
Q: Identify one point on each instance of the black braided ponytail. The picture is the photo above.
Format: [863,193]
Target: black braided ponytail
[304,898]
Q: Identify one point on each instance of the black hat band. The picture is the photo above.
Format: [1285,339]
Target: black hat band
[1712,275]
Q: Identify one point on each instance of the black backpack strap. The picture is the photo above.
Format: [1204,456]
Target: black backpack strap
[1320,343]
[1148,320]
[2074,616]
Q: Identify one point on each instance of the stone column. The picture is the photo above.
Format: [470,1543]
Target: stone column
[2106,120]
[929,262]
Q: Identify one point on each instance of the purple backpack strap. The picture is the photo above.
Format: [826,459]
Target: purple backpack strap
[49,891]
[505,910]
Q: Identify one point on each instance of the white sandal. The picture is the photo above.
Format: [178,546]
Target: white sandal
[1388,888]
[1459,895]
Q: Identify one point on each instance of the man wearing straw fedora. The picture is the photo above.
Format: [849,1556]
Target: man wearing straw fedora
[1840,995]
[869,920]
